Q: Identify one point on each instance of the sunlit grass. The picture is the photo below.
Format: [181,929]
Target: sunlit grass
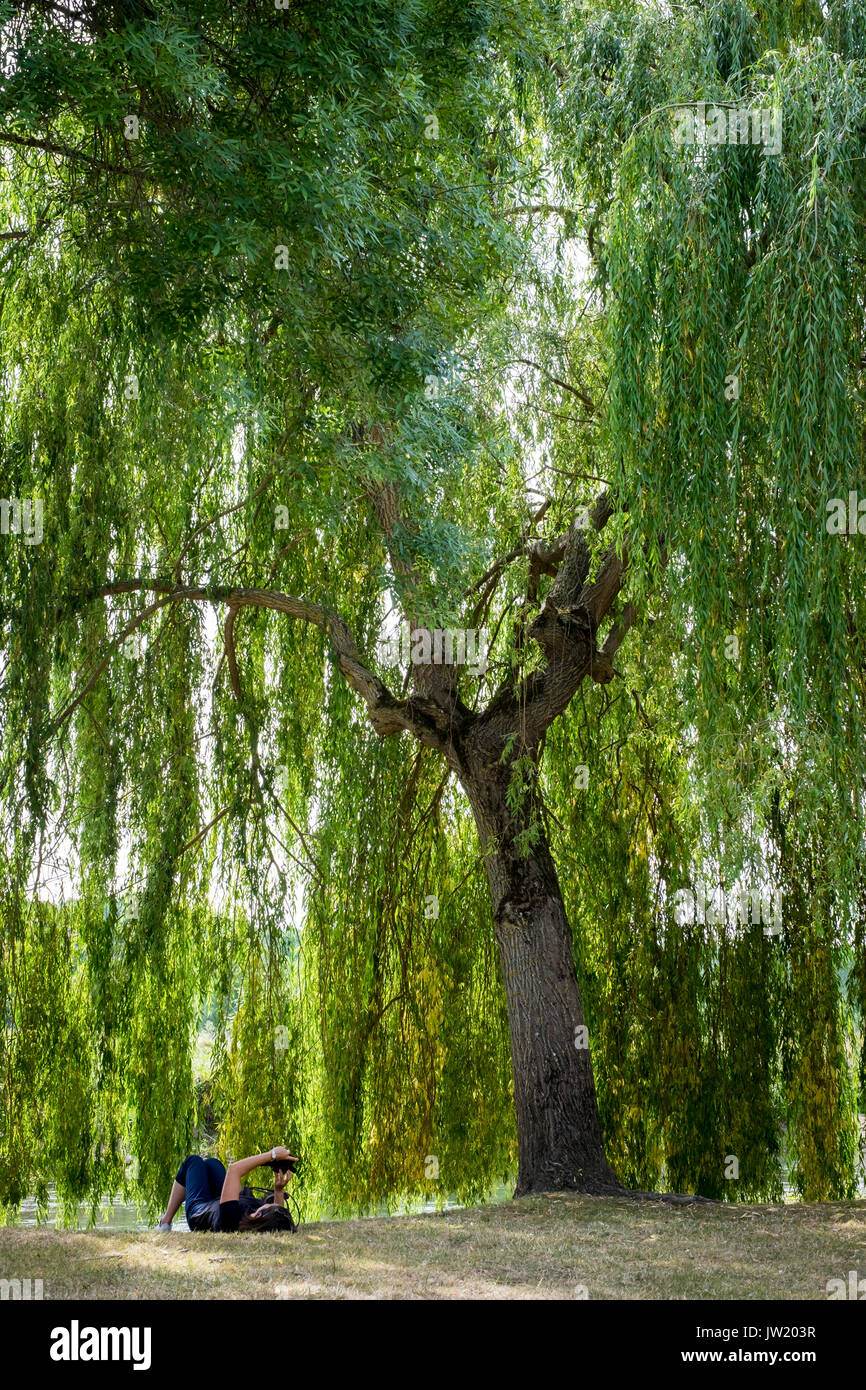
[540,1247]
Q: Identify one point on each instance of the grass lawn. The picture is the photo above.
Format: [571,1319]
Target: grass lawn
[538,1247]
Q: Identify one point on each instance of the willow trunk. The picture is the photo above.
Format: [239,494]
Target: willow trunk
[559,1134]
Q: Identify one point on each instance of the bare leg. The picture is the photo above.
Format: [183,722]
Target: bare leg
[178,1195]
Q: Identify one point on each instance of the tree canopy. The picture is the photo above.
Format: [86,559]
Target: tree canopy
[320,318]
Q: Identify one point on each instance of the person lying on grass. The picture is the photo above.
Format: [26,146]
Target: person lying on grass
[215,1201]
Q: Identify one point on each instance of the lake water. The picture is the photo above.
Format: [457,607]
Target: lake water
[124,1216]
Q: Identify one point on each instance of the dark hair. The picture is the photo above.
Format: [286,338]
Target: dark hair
[272,1219]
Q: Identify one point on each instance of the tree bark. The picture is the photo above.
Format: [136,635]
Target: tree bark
[559,1135]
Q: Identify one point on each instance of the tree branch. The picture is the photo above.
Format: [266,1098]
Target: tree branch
[558,381]
[49,147]
[565,629]
[555,208]
[522,548]
[388,715]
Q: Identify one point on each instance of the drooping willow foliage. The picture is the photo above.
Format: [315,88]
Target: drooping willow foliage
[217,340]
[732,290]
[201,326]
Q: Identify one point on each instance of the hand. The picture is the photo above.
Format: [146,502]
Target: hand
[281,1152]
[281,1179]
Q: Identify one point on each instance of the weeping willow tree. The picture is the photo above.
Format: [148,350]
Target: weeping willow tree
[325,321]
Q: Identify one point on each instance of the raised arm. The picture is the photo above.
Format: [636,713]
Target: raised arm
[236,1171]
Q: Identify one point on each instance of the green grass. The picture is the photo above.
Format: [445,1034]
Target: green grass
[538,1247]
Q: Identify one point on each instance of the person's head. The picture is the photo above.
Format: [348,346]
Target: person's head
[267,1218]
